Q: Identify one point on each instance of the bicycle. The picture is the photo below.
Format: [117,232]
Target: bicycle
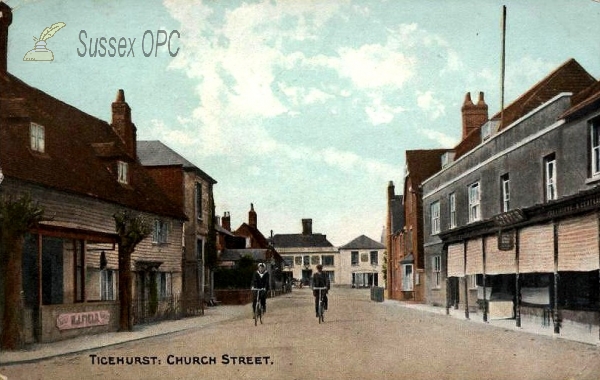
[320,309]
[258,308]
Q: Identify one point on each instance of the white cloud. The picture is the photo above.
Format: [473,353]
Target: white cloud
[379,112]
[430,105]
[442,139]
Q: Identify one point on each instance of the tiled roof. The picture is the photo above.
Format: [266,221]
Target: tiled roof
[80,151]
[583,102]
[569,77]
[422,164]
[300,241]
[155,153]
[363,242]
[255,232]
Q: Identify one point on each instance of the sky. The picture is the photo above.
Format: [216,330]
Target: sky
[303,108]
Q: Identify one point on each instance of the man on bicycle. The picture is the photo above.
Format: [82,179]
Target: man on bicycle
[260,280]
[320,280]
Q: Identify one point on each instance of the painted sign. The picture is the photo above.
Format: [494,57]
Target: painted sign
[506,240]
[80,320]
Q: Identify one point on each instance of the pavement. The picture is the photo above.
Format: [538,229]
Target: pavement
[213,315]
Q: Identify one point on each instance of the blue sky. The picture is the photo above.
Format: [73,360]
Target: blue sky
[302,107]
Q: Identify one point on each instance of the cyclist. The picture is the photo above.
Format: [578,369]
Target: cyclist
[320,280]
[260,280]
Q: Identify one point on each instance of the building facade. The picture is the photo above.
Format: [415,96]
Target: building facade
[190,189]
[301,253]
[512,224]
[361,263]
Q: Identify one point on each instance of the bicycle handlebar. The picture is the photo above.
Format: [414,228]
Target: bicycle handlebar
[319,288]
[258,289]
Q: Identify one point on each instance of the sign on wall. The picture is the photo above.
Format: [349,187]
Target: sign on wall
[506,240]
[80,320]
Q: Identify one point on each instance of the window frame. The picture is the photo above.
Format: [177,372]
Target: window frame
[374,258]
[436,264]
[595,146]
[474,202]
[434,208]
[505,192]
[452,205]
[550,181]
[198,196]
[37,137]
[123,172]
[160,233]
[354,258]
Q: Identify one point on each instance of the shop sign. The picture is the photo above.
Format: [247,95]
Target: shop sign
[80,320]
[506,240]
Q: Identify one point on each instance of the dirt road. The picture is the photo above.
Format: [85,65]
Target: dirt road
[360,339]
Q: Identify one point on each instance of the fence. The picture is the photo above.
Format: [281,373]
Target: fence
[172,307]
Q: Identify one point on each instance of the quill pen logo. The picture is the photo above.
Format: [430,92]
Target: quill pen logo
[40,52]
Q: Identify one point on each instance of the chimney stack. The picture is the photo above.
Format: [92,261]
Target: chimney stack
[5,21]
[306,226]
[473,115]
[226,221]
[122,125]
[252,216]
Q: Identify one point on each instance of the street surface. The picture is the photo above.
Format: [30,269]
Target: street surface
[360,339]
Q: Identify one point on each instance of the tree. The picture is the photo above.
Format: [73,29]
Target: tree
[131,230]
[17,217]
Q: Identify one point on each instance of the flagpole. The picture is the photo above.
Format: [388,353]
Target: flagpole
[502,66]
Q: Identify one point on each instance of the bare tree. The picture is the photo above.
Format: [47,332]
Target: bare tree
[131,230]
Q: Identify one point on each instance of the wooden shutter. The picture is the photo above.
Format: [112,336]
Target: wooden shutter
[536,251]
[474,256]
[578,244]
[456,260]
[496,261]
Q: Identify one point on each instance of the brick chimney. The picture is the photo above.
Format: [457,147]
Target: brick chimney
[5,21]
[226,221]
[306,226]
[391,191]
[473,115]
[252,216]
[122,125]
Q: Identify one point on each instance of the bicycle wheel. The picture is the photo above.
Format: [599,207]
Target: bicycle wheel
[260,315]
[321,318]
[256,313]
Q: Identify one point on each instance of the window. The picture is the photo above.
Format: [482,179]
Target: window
[199,250]
[163,284]
[437,271]
[474,198]
[407,277]
[435,218]
[452,201]
[364,257]
[288,261]
[315,260]
[374,258]
[327,260]
[107,285]
[354,257]
[331,275]
[595,153]
[122,169]
[550,177]
[199,201]
[160,233]
[306,261]
[298,260]
[505,190]
[37,137]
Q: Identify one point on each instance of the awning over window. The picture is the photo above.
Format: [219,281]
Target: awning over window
[536,251]
[456,260]
[474,256]
[578,244]
[408,259]
[497,261]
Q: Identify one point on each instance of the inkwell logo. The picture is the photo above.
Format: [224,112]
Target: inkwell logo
[40,52]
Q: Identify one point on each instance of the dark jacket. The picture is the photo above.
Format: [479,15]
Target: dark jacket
[320,280]
[259,281]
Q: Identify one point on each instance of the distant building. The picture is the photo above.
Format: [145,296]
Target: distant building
[301,253]
[361,263]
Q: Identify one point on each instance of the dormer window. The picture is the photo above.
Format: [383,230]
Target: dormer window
[37,138]
[123,172]
[447,159]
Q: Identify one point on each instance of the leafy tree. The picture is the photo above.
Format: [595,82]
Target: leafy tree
[131,230]
[17,217]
